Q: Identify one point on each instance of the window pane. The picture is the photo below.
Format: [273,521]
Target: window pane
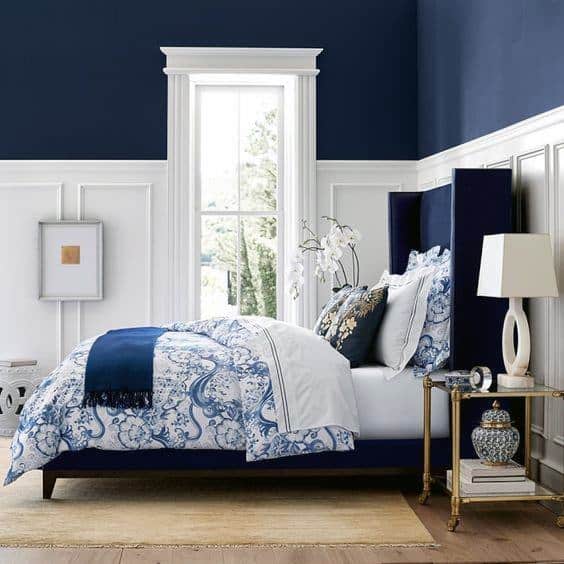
[218,262]
[219,147]
[259,122]
[258,255]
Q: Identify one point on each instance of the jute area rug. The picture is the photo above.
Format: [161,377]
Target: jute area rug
[185,512]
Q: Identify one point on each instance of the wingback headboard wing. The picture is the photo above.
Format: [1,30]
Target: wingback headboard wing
[457,216]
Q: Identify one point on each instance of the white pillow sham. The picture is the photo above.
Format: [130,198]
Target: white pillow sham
[404,316]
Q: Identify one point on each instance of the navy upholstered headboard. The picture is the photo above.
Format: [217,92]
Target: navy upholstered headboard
[457,216]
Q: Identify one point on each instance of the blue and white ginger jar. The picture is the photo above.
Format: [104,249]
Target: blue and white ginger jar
[495,440]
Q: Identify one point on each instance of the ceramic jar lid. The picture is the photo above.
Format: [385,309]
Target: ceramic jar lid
[496,417]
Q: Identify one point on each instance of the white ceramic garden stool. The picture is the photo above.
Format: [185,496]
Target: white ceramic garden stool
[16,386]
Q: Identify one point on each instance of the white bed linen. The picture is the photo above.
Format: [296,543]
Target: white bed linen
[393,409]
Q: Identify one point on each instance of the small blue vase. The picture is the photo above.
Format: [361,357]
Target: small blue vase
[495,441]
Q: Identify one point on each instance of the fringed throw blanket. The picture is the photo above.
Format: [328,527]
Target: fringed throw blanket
[119,371]
[248,383]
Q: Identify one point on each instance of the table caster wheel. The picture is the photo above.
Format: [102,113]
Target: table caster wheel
[423,497]
[452,523]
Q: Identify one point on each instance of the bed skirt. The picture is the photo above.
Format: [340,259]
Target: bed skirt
[367,454]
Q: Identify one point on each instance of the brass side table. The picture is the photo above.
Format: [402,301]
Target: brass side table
[456,498]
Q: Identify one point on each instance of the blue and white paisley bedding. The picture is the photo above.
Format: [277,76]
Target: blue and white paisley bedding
[211,390]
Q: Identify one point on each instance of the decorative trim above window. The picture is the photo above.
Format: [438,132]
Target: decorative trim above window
[183,60]
[295,70]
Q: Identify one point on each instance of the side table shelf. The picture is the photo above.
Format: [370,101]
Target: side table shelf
[541,493]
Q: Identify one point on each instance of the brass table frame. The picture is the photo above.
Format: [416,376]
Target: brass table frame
[456,499]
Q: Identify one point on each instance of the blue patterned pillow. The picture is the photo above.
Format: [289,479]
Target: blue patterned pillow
[353,330]
[433,349]
[330,309]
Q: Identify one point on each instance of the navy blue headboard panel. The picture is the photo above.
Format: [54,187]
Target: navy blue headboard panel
[457,216]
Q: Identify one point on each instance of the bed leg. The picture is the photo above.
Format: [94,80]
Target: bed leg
[49,479]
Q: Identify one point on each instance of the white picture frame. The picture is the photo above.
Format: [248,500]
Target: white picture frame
[70,260]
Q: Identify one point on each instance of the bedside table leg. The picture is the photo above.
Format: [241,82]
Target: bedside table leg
[454,520]
[427,387]
[528,424]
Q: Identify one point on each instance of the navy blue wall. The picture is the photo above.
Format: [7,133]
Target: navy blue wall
[82,79]
[484,64]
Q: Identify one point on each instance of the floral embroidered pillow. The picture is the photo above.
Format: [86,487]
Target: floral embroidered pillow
[330,309]
[357,321]
[433,349]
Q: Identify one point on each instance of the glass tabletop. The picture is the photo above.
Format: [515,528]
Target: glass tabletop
[500,391]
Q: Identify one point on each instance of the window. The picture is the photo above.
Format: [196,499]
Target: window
[235,201]
[239,188]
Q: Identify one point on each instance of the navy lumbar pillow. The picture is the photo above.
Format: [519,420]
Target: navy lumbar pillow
[356,323]
[330,310]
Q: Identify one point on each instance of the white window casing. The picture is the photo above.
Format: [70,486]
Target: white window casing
[294,70]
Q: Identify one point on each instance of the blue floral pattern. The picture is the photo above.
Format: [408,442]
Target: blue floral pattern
[210,391]
[433,349]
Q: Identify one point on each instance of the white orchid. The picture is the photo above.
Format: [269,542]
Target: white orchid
[296,276]
[355,236]
[329,251]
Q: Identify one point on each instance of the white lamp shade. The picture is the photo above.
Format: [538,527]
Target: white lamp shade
[517,265]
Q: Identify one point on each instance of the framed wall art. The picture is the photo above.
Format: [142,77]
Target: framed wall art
[70,260]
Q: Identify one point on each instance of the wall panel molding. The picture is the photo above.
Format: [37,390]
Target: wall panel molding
[57,187]
[356,193]
[533,128]
[82,213]
[533,149]
[65,183]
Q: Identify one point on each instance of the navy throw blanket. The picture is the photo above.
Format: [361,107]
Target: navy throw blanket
[119,370]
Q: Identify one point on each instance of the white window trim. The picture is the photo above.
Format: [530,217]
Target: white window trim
[295,70]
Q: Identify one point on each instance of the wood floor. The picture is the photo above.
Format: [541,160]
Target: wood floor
[489,533]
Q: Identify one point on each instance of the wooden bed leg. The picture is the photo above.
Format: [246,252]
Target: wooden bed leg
[49,479]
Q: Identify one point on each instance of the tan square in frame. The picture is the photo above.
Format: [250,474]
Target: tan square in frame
[70,254]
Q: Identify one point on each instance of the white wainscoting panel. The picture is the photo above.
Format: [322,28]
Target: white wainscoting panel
[356,192]
[30,328]
[130,197]
[371,219]
[126,209]
[534,150]
[143,227]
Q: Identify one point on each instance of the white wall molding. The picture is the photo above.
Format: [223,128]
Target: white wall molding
[135,168]
[537,124]
[135,200]
[356,192]
[534,150]
[190,60]
[367,167]
[82,213]
[20,185]
[334,187]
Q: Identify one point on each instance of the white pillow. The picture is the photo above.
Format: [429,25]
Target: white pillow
[404,316]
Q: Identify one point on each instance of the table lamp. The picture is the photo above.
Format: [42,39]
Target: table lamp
[517,266]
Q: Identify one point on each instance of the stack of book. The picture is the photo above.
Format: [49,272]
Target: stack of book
[478,478]
[16,362]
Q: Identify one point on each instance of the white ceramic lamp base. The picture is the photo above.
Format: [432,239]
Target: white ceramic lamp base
[516,363]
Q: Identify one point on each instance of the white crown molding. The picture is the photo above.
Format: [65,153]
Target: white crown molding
[519,129]
[190,60]
[82,166]
[366,166]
